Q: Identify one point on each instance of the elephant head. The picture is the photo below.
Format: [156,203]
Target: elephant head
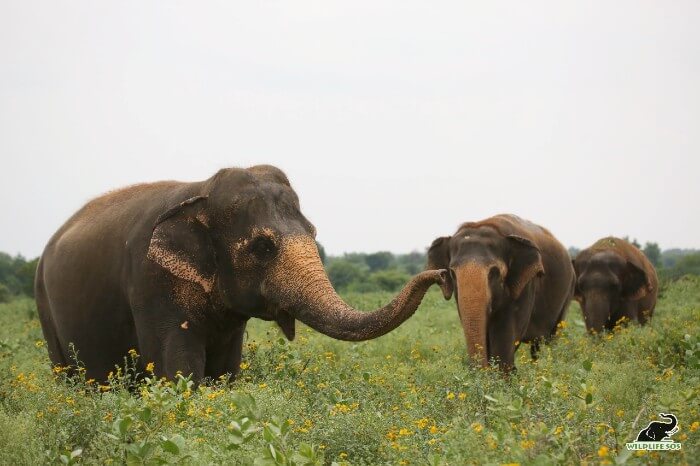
[604,280]
[242,244]
[487,271]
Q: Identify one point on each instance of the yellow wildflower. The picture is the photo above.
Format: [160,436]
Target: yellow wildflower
[694,426]
[620,413]
[434,429]
[462,395]
[149,367]
[477,427]
[527,444]
[263,385]
[133,353]
[422,423]
[603,451]
[450,396]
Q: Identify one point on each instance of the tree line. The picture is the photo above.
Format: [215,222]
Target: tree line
[363,272]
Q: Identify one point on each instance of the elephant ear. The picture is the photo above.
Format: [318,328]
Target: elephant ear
[635,284]
[180,244]
[580,263]
[525,264]
[439,258]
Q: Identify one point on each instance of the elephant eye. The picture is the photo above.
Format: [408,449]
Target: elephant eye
[263,248]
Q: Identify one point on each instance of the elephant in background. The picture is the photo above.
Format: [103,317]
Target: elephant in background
[175,270]
[513,282]
[656,431]
[614,280]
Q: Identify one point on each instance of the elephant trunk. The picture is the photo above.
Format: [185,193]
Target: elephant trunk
[474,304]
[596,310]
[301,288]
[674,421]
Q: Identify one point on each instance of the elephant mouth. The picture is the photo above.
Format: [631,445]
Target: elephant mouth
[287,323]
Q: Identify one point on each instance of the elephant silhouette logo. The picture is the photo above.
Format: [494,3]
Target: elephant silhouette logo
[658,431]
[657,435]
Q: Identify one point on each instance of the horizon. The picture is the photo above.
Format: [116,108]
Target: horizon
[394,122]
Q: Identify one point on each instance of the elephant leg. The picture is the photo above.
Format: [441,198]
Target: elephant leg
[501,341]
[184,351]
[224,354]
[644,310]
[535,348]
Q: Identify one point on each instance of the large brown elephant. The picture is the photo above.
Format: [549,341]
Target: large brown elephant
[175,270]
[615,280]
[513,283]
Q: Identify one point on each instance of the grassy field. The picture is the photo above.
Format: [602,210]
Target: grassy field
[407,398]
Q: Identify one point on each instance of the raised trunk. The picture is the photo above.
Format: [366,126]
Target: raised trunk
[473,303]
[299,285]
[674,421]
[596,310]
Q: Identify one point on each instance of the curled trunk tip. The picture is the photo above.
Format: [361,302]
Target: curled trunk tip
[302,288]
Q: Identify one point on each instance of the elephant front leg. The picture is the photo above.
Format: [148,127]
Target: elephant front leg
[184,352]
[502,340]
[224,353]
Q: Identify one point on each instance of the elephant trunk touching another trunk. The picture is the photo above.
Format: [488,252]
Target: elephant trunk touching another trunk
[474,303]
[300,286]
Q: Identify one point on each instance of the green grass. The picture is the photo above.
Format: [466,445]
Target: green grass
[409,396]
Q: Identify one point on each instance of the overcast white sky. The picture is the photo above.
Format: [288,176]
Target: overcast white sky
[394,120]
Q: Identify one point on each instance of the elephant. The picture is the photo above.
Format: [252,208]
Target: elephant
[174,271]
[615,280]
[656,431]
[513,282]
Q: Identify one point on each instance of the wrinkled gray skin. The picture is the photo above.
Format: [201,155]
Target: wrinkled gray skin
[175,270]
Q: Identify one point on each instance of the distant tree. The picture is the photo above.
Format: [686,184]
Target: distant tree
[379,260]
[670,256]
[411,263]
[653,253]
[633,242]
[356,258]
[687,265]
[343,272]
[5,295]
[573,251]
[321,252]
[389,280]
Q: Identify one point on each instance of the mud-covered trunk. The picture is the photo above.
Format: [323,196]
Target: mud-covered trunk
[596,310]
[473,303]
[300,287]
